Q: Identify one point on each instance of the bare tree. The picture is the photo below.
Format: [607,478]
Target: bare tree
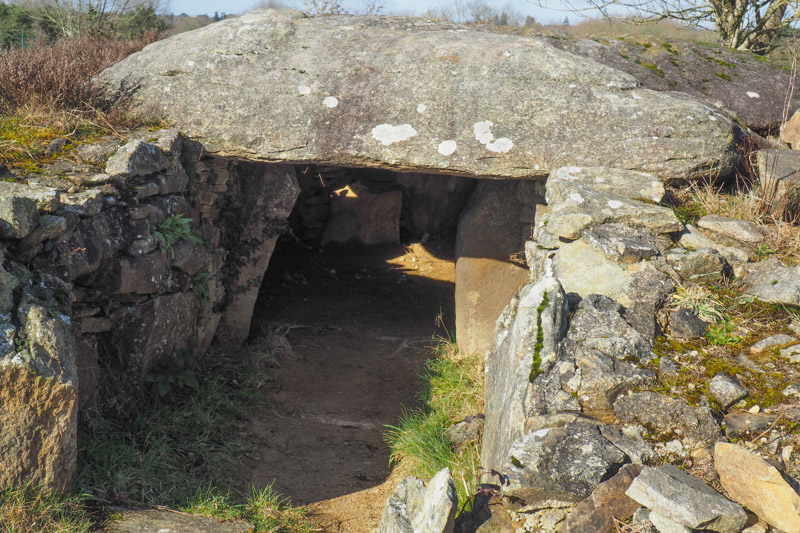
[73,18]
[749,25]
[272,4]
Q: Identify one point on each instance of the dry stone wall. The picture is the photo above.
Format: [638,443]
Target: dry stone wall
[160,253]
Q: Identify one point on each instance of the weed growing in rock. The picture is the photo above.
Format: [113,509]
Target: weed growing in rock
[172,230]
[420,444]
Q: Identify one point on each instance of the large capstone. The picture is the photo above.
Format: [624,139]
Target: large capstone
[409,94]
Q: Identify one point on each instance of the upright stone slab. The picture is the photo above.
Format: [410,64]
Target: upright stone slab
[527,339]
[39,390]
[414,95]
[493,227]
[250,230]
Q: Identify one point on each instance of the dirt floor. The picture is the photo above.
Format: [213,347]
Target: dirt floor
[360,323]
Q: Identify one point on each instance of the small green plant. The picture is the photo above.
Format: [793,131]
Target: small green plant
[200,287]
[179,372]
[766,250]
[172,230]
[722,334]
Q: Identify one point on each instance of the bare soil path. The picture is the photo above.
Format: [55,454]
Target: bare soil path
[361,322]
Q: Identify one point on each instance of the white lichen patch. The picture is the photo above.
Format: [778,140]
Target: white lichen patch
[447,147]
[751,94]
[190,63]
[599,180]
[501,145]
[483,131]
[615,204]
[577,198]
[507,53]
[167,88]
[568,173]
[304,89]
[388,134]
[421,108]
[330,101]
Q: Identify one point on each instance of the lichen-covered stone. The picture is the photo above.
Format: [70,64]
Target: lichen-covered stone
[524,108]
[416,506]
[772,282]
[685,499]
[554,466]
[528,333]
[136,158]
[18,217]
[695,426]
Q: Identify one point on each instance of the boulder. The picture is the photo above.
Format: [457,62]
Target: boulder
[772,282]
[695,426]
[779,171]
[608,501]
[773,341]
[18,217]
[579,197]
[700,265]
[47,199]
[736,256]
[360,216]
[739,425]
[522,102]
[39,391]
[741,84]
[528,334]
[684,499]
[145,274]
[758,485]
[94,241]
[136,158]
[737,229]
[416,507]
[684,324]
[557,466]
[790,131]
[606,352]
[492,228]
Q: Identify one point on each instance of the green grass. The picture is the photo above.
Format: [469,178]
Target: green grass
[25,509]
[453,390]
[176,449]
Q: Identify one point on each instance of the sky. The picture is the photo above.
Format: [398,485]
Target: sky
[526,7]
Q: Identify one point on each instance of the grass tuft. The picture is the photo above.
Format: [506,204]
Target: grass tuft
[26,509]
[453,391]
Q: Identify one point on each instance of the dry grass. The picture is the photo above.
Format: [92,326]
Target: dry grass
[46,93]
[750,204]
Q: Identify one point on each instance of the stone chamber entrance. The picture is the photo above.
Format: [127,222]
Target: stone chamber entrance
[360,284]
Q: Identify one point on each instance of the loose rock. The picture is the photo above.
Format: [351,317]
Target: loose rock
[686,500]
[759,486]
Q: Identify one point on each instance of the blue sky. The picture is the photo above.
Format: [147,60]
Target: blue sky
[196,7]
